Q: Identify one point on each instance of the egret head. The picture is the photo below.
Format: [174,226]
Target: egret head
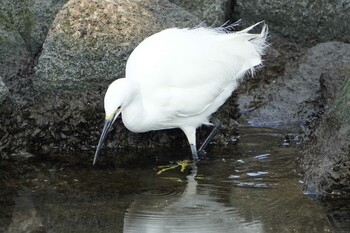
[114,101]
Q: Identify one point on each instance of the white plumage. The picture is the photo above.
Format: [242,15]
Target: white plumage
[177,78]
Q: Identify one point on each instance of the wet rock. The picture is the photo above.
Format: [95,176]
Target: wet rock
[212,12]
[90,41]
[326,153]
[304,89]
[304,20]
[3,91]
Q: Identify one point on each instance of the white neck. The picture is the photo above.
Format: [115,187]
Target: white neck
[133,113]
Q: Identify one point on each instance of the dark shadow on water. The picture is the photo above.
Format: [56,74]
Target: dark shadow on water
[248,187]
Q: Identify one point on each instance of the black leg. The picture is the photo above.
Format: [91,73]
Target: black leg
[216,125]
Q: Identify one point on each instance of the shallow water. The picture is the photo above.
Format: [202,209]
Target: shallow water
[248,187]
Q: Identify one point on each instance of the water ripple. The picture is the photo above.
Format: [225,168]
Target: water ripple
[158,192]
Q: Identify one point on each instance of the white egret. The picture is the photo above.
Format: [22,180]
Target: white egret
[178,78]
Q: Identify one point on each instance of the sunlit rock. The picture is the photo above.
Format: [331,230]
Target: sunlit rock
[90,41]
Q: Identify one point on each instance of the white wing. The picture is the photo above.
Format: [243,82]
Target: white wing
[183,72]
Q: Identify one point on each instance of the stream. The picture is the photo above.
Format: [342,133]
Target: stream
[251,186]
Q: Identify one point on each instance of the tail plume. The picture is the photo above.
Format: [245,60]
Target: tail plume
[259,43]
[260,40]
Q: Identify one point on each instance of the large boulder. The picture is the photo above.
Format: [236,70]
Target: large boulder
[326,154]
[303,90]
[304,20]
[90,40]
[212,12]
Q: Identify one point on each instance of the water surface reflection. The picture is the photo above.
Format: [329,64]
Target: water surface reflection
[193,210]
[248,187]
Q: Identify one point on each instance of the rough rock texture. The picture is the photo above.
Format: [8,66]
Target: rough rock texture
[303,20]
[212,12]
[23,28]
[3,91]
[304,89]
[26,23]
[326,154]
[90,40]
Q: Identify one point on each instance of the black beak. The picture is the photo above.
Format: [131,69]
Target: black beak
[105,130]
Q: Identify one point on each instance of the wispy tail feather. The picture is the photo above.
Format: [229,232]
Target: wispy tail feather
[259,43]
[260,40]
[228,27]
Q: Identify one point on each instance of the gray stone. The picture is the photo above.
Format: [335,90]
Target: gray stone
[24,24]
[90,41]
[326,154]
[3,91]
[23,28]
[304,89]
[304,20]
[212,12]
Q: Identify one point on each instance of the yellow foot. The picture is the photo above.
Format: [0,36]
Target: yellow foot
[182,163]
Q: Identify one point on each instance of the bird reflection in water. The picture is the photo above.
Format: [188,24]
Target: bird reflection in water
[194,209]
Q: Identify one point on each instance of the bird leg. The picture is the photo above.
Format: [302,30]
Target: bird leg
[216,125]
[190,133]
[194,152]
